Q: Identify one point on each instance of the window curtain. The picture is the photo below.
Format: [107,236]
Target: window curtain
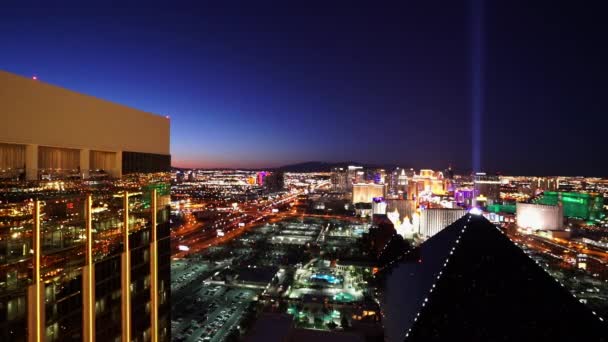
[102,160]
[58,158]
[12,156]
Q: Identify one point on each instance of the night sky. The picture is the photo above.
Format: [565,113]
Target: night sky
[263,84]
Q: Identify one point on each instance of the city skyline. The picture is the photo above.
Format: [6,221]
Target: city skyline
[376,86]
[316,171]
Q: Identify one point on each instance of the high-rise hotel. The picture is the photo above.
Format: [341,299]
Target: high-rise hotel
[84,219]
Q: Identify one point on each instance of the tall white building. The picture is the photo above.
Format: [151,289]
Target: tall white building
[379,207]
[433,220]
[539,216]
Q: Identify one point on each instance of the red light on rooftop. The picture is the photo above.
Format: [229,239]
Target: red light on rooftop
[34,77]
[167,117]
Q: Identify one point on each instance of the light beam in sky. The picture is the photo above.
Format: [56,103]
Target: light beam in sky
[477,95]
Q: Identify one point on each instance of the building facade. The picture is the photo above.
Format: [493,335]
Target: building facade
[339,179]
[49,133]
[586,206]
[405,208]
[397,182]
[434,220]
[487,188]
[84,217]
[365,193]
[379,207]
[275,181]
[539,216]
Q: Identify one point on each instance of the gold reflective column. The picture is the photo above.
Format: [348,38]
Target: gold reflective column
[154,273]
[126,274]
[88,278]
[35,294]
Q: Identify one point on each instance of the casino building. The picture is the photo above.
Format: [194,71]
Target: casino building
[84,219]
[366,192]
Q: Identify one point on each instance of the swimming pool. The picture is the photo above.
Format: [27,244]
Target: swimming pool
[326,277]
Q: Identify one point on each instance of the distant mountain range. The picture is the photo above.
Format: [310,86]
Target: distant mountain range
[311,166]
[315,166]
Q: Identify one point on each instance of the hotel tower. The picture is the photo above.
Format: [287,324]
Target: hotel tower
[84,218]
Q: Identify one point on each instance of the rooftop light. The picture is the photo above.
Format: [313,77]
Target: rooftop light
[475,211]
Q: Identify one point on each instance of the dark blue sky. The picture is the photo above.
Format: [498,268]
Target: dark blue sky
[261,84]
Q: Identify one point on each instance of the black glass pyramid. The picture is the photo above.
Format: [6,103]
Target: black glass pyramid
[471,283]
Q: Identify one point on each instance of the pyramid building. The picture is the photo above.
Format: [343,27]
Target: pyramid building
[471,283]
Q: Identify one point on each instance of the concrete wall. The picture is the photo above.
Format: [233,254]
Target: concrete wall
[33,112]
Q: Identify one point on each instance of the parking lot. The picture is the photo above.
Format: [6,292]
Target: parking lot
[214,313]
[185,271]
[217,293]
